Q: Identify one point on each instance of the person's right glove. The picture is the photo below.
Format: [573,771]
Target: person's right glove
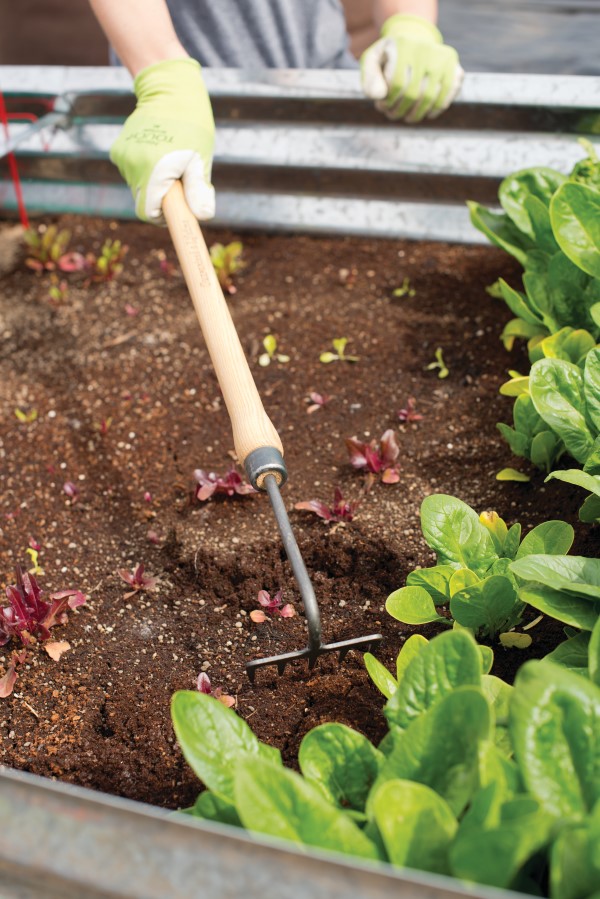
[170,135]
[410,71]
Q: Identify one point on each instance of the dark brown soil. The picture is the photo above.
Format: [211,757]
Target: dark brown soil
[100,716]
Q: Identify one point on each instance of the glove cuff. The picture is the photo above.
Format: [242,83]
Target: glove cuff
[416,27]
[165,76]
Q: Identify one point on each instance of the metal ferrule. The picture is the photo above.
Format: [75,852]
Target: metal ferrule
[263,461]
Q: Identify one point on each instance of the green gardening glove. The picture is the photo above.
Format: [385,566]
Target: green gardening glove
[409,71]
[170,135]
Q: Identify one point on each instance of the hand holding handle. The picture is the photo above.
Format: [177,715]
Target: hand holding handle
[252,428]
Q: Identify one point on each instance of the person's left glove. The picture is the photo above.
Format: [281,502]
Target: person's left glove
[169,136]
[410,71]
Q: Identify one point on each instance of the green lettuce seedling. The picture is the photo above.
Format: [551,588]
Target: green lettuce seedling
[439,363]
[270,353]
[226,260]
[339,345]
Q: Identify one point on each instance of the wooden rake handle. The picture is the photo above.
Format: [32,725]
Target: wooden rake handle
[252,428]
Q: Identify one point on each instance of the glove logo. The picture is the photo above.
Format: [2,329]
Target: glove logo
[153,136]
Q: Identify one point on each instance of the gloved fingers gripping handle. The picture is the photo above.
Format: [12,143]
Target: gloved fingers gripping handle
[168,137]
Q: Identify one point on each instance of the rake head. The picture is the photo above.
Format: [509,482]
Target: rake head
[266,470]
[364,644]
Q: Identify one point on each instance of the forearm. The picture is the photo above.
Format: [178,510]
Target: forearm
[141,31]
[383,9]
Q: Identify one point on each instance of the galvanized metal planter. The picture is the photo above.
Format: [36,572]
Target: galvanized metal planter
[64,842]
[301,151]
[305,151]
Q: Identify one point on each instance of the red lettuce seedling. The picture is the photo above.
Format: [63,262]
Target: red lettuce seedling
[204,686]
[138,580]
[28,617]
[341,510]
[272,606]
[317,401]
[376,459]
[210,483]
[7,682]
[48,250]
[71,490]
[409,413]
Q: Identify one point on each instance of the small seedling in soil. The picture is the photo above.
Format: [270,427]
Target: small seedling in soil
[138,580]
[341,510]
[109,263]
[33,554]
[444,371]
[166,267]
[405,290]
[348,276]
[48,250]
[317,401]
[409,414]
[72,491]
[227,261]
[204,686]
[272,606]
[377,457]
[270,345]
[339,345]
[7,682]
[210,484]
[103,427]
[26,418]
[58,290]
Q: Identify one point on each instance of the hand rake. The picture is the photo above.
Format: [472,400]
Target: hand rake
[257,443]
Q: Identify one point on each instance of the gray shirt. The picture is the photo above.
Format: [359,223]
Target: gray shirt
[251,34]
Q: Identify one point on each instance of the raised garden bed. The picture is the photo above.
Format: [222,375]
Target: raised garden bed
[127,407]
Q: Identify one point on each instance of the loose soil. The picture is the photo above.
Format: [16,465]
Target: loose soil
[99,717]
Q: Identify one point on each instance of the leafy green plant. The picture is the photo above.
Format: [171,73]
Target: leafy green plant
[531,437]
[566,588]
[472,576]
[588,479]
[339,345]
[227,260]
[549,224]
[476,779]
[557,410]
[270,353]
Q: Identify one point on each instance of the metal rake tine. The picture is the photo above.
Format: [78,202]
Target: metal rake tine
[281,666]
[343,653]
